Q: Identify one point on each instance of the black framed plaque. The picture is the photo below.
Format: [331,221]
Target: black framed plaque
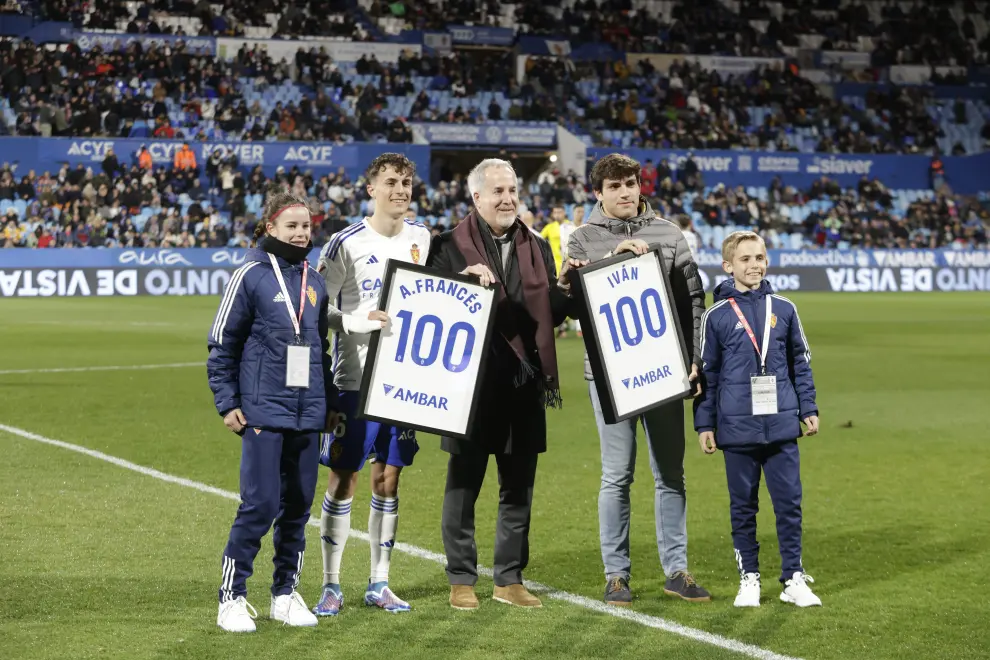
[424,370]
[632,334]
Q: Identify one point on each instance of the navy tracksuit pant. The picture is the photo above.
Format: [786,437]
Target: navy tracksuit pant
[781,464]
[278,481]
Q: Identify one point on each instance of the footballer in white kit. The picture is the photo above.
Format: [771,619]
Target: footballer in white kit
[354,260]
[353,264]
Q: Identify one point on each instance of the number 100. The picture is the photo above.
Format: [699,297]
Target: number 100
[630,322]
[433,348]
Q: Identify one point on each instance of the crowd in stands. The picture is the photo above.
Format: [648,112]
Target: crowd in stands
[463,75]
[216,204]
[175,93]
[159,92]
[11,7]
[690,108]
[226,18]
[701,27]
[921,33]
[826,216]
[179,94]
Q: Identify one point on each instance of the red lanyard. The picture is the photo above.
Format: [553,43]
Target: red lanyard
[752,335]
[296,323]
[302,296]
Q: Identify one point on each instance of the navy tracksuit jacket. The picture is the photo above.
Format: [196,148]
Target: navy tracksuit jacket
[753,444]
[280,447]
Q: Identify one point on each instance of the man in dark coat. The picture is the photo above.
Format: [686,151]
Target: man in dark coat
[519,383]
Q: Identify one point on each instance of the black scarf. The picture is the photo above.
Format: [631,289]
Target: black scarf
[294,254]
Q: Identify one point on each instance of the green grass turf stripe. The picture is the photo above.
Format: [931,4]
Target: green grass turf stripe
[549,591]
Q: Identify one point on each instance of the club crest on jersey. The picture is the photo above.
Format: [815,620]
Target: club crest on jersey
[773,320]
[414,253]
[257,431]
[311,294]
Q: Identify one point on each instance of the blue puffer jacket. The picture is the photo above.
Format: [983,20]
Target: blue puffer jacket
[729,358]
[248,341]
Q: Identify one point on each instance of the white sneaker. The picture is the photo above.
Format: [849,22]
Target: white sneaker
[749,591]
[237,616]
[291,610]
[797,591]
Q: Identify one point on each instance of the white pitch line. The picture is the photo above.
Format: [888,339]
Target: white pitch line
[415,551]
[126,367]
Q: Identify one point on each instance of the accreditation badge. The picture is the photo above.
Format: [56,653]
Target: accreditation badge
[764,392]
[297,364]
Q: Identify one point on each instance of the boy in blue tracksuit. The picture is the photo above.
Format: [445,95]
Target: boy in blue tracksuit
[270,374]
[759,388]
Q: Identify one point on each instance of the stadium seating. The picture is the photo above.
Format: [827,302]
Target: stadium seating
[255,20]
[948,33]
[588,99]
[689,103]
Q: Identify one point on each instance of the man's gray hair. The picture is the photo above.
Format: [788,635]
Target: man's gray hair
[476,179]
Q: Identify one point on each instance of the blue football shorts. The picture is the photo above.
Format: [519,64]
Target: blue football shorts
[354,440]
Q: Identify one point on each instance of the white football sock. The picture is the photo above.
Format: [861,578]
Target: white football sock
[335,526]
[382,523]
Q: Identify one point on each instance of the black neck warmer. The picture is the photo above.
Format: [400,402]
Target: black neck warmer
[291,253]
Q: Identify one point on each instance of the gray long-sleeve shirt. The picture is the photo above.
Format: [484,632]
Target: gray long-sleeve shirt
[599,237]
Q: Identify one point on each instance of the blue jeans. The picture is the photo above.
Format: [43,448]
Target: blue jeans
[664,430]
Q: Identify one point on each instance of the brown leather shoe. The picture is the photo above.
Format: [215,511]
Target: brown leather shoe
[516,594]
[462,597]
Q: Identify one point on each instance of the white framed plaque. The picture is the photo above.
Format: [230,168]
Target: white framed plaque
[632,334]
[424,369]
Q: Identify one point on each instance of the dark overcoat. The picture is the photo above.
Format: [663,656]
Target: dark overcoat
[509,419]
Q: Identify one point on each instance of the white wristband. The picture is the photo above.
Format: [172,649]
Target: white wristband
[355,325]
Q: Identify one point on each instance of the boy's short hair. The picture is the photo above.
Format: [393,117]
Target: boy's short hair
[733,240]
[614,166]
[399,162]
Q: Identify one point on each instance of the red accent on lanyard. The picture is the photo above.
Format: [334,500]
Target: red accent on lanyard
[745,325]
[302,294]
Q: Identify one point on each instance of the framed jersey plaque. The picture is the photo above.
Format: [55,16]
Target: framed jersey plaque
[632,334]
[424,369]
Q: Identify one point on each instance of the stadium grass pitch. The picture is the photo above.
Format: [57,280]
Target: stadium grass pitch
[103,562]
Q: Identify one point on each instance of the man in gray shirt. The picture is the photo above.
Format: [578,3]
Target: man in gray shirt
[624,221]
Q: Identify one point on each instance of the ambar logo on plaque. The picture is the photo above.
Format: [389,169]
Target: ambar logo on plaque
[423,370]
[632,334]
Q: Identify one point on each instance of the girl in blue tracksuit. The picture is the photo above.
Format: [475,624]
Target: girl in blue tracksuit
[270,374]
[758,390]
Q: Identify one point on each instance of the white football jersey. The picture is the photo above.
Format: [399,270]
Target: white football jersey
[353,265]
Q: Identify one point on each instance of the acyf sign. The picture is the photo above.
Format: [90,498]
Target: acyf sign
[632,334]
[424,368]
